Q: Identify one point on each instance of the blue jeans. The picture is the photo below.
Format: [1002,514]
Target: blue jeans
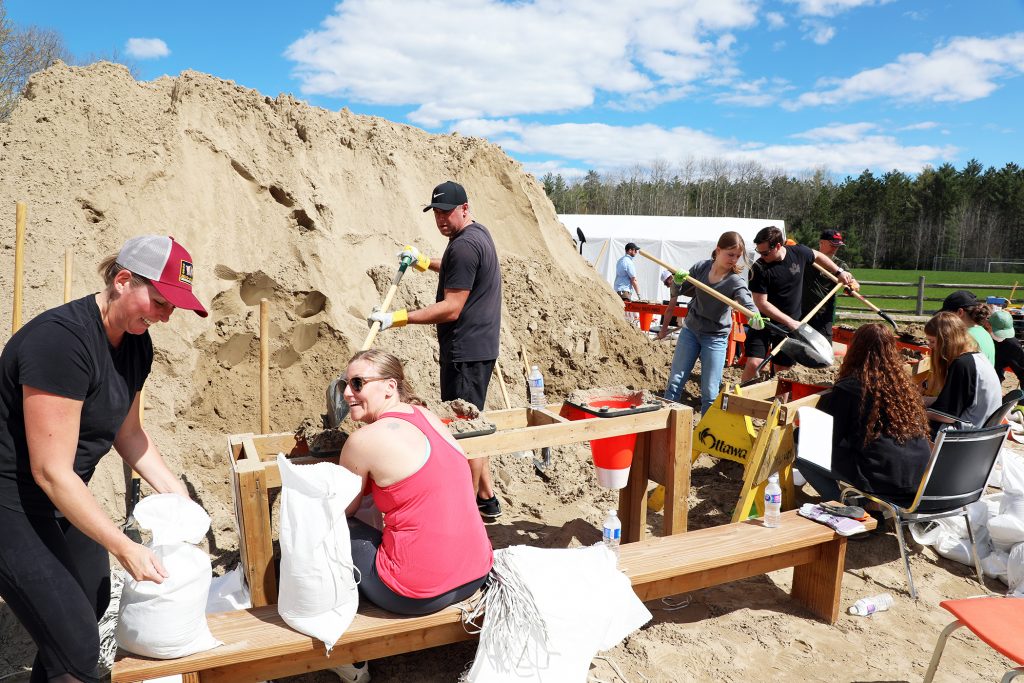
[711,351]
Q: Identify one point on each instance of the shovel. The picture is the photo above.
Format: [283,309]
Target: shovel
[337,408]
[583,239]
[806,345]
[704,288]
[131,526]
[876,309]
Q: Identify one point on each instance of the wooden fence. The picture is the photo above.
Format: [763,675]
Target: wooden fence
[924,306]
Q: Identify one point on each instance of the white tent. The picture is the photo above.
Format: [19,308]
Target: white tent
[677,240]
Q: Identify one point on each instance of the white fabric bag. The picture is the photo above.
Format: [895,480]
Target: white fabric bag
[583,604]
[317,594]
[168,620]
[228,593]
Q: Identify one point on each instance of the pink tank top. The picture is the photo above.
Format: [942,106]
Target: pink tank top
[434,539]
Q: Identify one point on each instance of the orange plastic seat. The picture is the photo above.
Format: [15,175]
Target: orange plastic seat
[997,621]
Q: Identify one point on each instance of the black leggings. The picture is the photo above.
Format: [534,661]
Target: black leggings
[56,580]
[365,541]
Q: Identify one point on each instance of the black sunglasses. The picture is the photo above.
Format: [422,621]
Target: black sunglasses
[358,383]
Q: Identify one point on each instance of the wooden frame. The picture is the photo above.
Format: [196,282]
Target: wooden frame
[662,454]
[258,645]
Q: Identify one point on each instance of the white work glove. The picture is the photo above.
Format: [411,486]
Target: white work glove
[394,319]
[420,262]
[757,322]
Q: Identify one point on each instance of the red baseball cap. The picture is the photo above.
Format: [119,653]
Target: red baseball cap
[166,264]
[833,236]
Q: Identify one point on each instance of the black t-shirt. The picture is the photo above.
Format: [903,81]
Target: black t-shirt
[783,280]
[65,351]
[816,287]
[882,466]
[1009,354]
[471,262]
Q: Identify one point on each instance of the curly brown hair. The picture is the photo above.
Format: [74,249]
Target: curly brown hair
[890,404]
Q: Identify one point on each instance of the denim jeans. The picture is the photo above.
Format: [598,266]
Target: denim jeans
[711,351]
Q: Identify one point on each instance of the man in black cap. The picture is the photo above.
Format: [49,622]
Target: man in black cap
[973,313]
[817,285]
[467,312]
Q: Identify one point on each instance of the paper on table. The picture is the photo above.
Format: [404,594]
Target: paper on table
[815,436]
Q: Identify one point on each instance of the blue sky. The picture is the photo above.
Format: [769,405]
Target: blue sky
[569,85]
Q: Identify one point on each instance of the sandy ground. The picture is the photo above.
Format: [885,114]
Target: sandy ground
[307,208]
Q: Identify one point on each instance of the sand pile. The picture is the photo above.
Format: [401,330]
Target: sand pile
[307,208]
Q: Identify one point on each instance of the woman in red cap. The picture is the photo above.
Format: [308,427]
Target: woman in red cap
[70,383]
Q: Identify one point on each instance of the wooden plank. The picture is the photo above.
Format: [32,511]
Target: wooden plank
[765,390]
[249,450]
[633,498]
[544,416]
[744,405]
[670,458]
[818,585]
[253,515]
[551,435]
[788,414]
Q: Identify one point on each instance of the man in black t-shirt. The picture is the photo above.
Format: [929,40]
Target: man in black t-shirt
[467,312]
[776,286]
[817,285]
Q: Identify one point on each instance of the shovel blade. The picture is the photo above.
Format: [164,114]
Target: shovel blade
[809,347]
[337,408]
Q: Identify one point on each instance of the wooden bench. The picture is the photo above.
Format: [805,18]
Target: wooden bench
[259,646]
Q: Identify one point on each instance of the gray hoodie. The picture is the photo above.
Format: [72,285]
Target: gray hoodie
[707,315]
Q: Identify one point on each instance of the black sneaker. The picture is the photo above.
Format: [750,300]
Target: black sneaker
[490,508]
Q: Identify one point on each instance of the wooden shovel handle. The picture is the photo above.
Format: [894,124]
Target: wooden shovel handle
[853,292]
[810,315]
[703,287]
[385,304]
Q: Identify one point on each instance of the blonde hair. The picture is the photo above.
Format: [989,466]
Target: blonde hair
[951,341]
[388,365]
[109,268]
[731,240]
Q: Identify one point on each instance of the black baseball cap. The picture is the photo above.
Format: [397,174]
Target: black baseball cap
[447,196]
[959,299]
[833,236]
[631,245]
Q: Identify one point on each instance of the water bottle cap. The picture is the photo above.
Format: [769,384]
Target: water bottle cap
[774,476]
[535,368]
[613,513]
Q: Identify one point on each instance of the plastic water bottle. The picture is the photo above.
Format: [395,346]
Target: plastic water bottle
[876,603]
[612,533]
[772,502]
[536,388]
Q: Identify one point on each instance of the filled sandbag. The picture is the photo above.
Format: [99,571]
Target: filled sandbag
[317,594]
[168,620]
[995,565]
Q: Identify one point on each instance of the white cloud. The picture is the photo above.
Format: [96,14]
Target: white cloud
[842,132]
[818,32]
[964,69]
[146,48]
[525,57]
[757,93]
[840,148]
[923,125]
[830,8]
[774,20]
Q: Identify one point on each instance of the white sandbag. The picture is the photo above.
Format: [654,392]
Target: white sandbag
[993,501]
[583,604]
[1015,570]
[1006,530]
[937,532]
[995,565]
[168,620]
[1012,504]
[959,549]
[317,594]
[228,593]
[1012,479]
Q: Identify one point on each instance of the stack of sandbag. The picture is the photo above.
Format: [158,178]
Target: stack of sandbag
[1006,526]
[317,594]
[949,537]
[168,620]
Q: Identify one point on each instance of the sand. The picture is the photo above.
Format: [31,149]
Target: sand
[307,208]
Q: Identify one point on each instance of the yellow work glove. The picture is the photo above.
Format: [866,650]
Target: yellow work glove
[420,262]
[397,318]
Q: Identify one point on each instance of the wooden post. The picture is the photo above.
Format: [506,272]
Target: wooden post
[69,259]
[920,295]
[21,209]
[264,367]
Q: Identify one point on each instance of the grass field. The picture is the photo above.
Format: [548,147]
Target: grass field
[975,282]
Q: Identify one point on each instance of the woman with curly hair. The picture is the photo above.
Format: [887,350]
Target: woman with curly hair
[963,386]
[879,428]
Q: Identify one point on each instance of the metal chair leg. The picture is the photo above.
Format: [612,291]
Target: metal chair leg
[940,645]
[903,554]
[974,554]
[1012,674]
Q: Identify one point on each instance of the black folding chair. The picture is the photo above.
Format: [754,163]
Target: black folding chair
[957,471]
[1009,401]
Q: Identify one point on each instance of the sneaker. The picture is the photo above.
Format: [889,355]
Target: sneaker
[490,508]
[352,673]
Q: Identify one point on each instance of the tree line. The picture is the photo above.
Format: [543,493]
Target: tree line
[895,220]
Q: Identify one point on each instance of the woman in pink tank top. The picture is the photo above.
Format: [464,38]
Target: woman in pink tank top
[434,550]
